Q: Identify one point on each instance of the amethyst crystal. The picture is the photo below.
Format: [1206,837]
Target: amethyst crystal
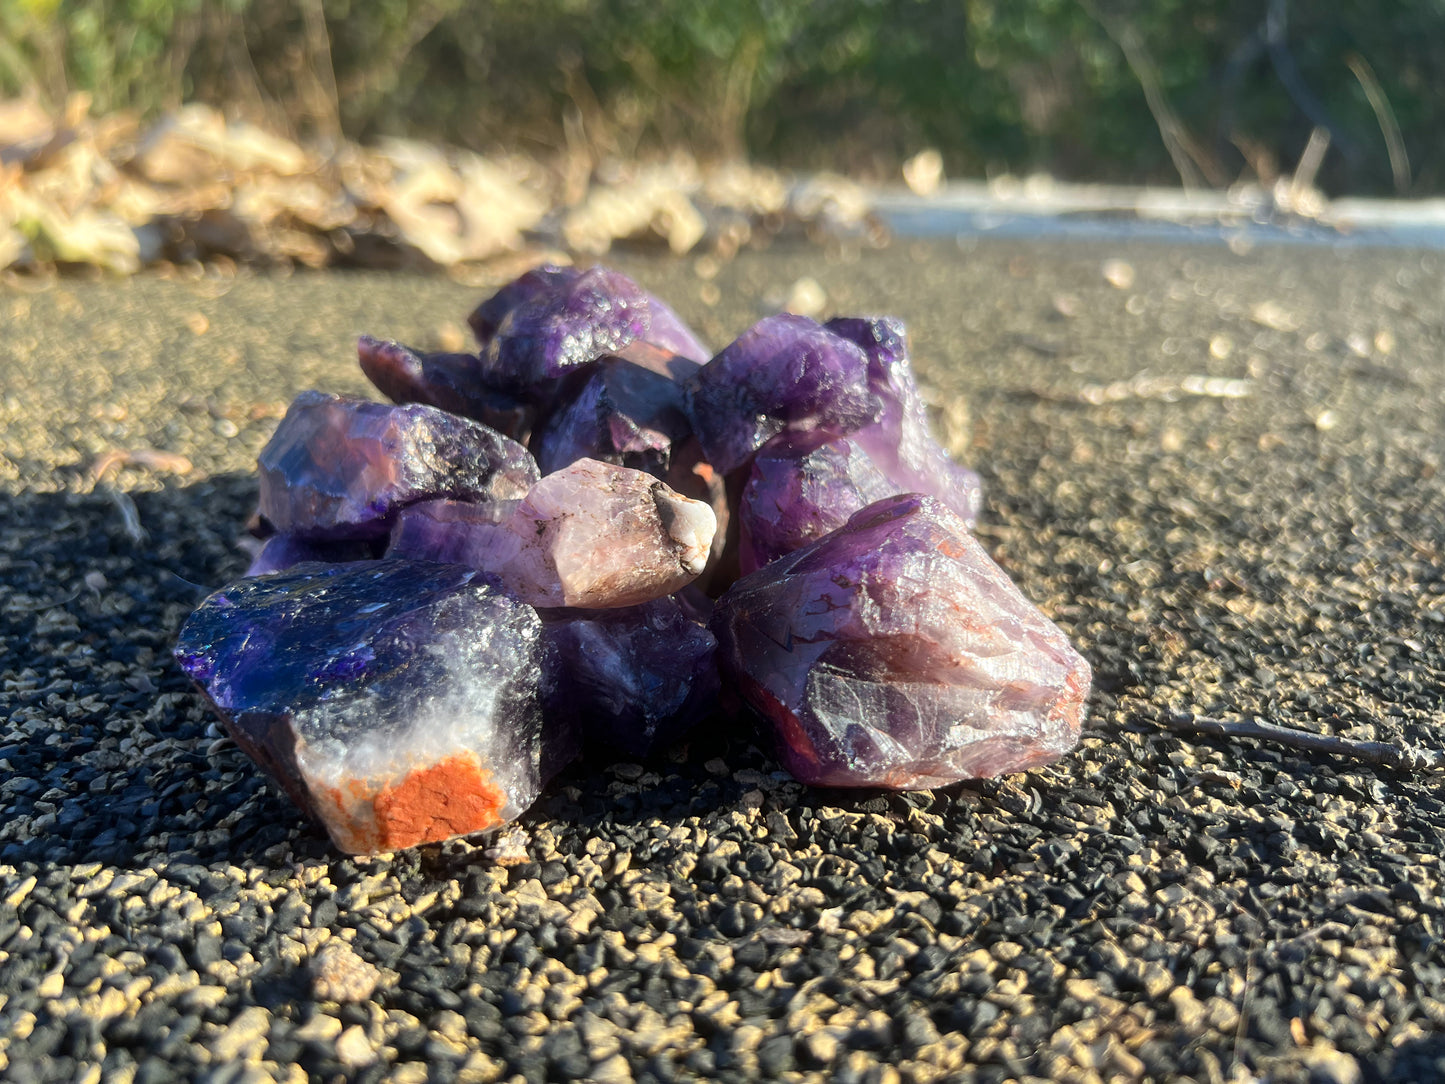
[555,319]
[631,681]
[592,535]
[338,467]
[894,653]
[899,442]
[786,373]
[801,487]
[617,412]
[450,382]
[397,702]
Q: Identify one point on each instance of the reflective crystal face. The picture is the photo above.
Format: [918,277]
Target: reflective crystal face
[893,652]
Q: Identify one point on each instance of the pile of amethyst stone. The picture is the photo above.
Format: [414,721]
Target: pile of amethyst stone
[590,534]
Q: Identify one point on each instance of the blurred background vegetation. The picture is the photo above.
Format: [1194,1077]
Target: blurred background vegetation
[1208,91]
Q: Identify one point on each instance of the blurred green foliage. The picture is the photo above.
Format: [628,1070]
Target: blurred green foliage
[1080,88]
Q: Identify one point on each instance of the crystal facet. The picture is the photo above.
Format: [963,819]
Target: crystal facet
[592,535]
[802,487]
[339,467]
[450,382]
[555,319]
[632,681]
[397,702]
[899,442]
[894,653]
[618,412]
[786,373]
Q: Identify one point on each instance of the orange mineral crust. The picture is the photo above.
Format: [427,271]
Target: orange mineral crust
[452,797]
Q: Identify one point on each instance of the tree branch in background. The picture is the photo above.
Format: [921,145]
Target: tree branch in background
[325,106]
[1389,127]
[1194,165]
[1405,758]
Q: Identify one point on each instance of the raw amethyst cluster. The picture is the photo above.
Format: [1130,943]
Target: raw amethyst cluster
[524,556]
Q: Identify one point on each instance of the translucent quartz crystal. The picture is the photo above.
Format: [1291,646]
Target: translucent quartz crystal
[339,467]
[397,702]
[593,535]
[631,681]
[617,412]
[899,443]
[786,373]
[450,382]
[554,319]
[894,653]
[801,487]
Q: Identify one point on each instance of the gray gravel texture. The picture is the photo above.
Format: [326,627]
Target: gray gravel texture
[1152,907]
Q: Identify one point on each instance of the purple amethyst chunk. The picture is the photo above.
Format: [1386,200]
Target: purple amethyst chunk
[894,653]
[786,373]
[631,681]
[899,442]
[618,412]
[339,467]
[397,702]
[450,382]
[802,487]
[556,319]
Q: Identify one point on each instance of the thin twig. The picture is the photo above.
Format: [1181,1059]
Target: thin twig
[1406,758]
[1385,116]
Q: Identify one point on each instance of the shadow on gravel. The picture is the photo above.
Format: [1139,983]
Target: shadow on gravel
[105,742]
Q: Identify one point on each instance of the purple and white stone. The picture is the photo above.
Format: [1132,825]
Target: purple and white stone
[397,702]
[894,653]
[339,467]
[592,535]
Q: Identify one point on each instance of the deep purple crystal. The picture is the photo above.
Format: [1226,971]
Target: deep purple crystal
[894,653]
[450,382]
[555,319]
[801,487]
[631,681]
[339,467]
[900,443]
[786,373]
[398,702]
[616,412]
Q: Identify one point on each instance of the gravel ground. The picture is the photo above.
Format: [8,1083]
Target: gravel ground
[1156,906]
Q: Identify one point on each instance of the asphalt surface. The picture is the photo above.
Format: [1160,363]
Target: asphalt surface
[1219,472]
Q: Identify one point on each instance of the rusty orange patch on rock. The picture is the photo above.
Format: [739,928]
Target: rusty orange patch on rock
[452,797]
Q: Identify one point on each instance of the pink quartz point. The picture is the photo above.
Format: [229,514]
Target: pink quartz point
[592,535]
[893,652]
